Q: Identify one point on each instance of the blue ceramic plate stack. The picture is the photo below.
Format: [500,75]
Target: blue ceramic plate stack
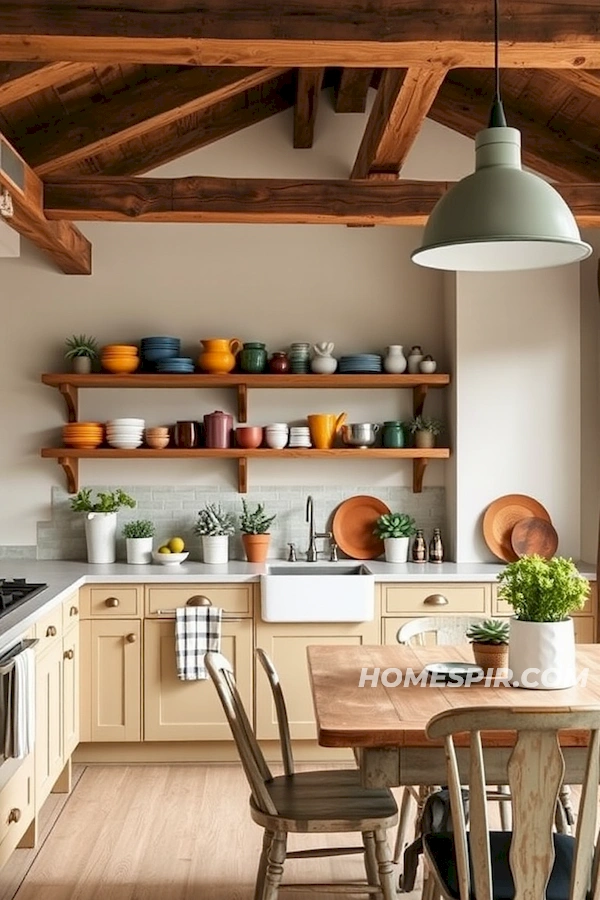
[177,365]
[360,363]
[156,349]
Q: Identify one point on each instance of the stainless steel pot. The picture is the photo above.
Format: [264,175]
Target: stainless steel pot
[359,434]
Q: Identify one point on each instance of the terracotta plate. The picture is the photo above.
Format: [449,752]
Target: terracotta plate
[500,518]
[534,535]
[353,524]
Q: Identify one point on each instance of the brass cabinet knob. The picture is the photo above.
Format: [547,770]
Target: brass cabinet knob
[69,654]
[14,815]
[131,638]
[74,611]
[112,601]
[436,600]
[51,631]
[199,600]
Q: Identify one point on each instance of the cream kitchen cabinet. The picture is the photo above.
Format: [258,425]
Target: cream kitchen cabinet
[17,809]
[70,674]
[585,620]
[286,645]
[49,729]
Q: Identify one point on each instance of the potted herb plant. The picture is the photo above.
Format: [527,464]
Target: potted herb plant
[215,526]
[138,536]
[395,530]
[424,431]
[254,525]
[82,351]
[542,593]
[490,643]
[101,521]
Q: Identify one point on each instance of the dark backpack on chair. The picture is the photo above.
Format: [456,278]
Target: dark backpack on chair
[436,817]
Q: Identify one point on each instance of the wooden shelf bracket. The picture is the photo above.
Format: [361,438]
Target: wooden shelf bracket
[419,466]
[419,395]
[242,475]
[69,393]
[242,395]
[71,467]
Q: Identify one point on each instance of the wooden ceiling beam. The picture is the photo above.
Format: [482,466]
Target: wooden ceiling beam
[268,200]
[403,100]
[308,89]
[77,144]
[352,89]
[21,80]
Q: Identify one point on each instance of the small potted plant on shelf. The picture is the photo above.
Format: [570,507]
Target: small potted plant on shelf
[395,530]
[424,431]
[254,526]
[542,593]
[215,526]
[138,536]
[82,351]
[490,643]
[101,521]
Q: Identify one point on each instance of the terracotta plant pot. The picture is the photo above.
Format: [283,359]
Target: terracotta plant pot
[256,546]
[490,656]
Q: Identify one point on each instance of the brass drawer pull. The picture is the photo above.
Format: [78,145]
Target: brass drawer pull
[131,638]
[69,654]
[74,611]
[112,602]
[51,631]
[436,600]
[14,815]
[199,600]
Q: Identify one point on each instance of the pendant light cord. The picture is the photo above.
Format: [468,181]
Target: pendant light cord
[497,117]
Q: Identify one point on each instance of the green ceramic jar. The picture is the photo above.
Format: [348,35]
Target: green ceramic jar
[393,434]
[253,357]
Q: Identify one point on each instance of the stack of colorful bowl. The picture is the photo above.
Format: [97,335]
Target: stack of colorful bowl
[83,435]
[157,438]
[158,348]
[126,434]
[120,359]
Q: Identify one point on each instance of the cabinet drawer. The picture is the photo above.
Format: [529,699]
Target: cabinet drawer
[585,629]
[16,808]
[110,600]
[435,599]
[70,612]
[49,628]
[233,598]
[502,608]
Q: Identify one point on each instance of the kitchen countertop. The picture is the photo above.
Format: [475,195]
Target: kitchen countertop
[63,577]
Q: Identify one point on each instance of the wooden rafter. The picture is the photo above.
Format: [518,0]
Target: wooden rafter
[308,89]
[404,98]
[352,89]
[21,80]
[78,145]
[201,199]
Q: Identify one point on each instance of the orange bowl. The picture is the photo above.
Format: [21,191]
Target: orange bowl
[249,436]
[120,365]
[121,349]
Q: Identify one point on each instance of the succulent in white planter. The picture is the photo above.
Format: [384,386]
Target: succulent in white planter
[82,351]
[101,521]
[215,526]
[395,530]
[138,536]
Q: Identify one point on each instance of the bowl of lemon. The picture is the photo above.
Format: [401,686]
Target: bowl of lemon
[171,553]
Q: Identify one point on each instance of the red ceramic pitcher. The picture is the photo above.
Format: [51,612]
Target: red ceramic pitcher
[217,429]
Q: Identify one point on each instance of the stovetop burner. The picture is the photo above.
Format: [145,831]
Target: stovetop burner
[15,592]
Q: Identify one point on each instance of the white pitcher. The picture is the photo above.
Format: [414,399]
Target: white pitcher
[101,537]
[394,362]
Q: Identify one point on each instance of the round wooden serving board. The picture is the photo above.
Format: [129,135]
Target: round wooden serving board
[353,524]
[534,535]
[500,518]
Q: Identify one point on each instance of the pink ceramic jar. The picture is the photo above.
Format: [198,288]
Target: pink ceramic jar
[217,429]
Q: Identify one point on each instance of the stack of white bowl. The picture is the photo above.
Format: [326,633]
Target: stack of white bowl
[126,434]
[276,435]
[300,436]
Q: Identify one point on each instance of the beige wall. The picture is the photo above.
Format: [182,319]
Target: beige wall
[590,401]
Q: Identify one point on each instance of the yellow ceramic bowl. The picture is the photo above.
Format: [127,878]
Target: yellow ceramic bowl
[120,349]
[122,365]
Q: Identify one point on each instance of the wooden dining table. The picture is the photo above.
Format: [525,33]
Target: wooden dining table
[385,723]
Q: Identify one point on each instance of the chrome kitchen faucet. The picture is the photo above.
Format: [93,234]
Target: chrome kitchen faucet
[312,552]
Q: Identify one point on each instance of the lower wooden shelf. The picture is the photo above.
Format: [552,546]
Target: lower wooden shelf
[68,458]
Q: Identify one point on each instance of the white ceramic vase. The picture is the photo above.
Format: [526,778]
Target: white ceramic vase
[215,549]
[394,361]
[541,655]
[82,365]
[101,537]
[396,549]
[139,551]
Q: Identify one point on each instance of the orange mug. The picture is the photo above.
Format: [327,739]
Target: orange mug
[324,427]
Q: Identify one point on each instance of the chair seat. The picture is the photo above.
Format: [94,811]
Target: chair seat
[440,849]
[327,801]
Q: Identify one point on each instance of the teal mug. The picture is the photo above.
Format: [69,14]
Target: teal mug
[253,357]
[393,435]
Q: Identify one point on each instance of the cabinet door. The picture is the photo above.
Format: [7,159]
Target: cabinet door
[286,645]
[49,746]
[111,680]
[177,710]
[71,690]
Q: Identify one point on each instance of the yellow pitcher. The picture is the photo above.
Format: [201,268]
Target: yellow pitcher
[324,427]
[218,355]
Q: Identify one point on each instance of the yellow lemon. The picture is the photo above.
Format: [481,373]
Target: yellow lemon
[164,549]
[176,545]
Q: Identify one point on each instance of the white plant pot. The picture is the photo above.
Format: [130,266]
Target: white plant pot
[82,365]
[215,549]
[396,549]
[101,537]
[541,655]
[139,551]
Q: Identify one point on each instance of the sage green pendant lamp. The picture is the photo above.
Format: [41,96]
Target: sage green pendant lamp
[500,218]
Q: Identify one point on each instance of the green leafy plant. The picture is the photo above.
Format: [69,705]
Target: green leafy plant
[394,525]
[81,345]
[104,502]
[543,590]
[214,521]
[490,631]
[423,423]
[256,521]
[139,528]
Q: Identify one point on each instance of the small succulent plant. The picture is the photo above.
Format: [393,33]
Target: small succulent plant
[423,423]
[490,631]
[81,345]
[255,522]
[139,528]
[394,525]
[214,521]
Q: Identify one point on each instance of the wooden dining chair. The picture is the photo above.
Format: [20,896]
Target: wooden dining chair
[330,801]
[532,860]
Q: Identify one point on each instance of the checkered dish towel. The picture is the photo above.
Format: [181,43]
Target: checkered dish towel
[197,630]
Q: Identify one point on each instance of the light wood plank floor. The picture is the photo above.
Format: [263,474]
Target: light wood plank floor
[156,833]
